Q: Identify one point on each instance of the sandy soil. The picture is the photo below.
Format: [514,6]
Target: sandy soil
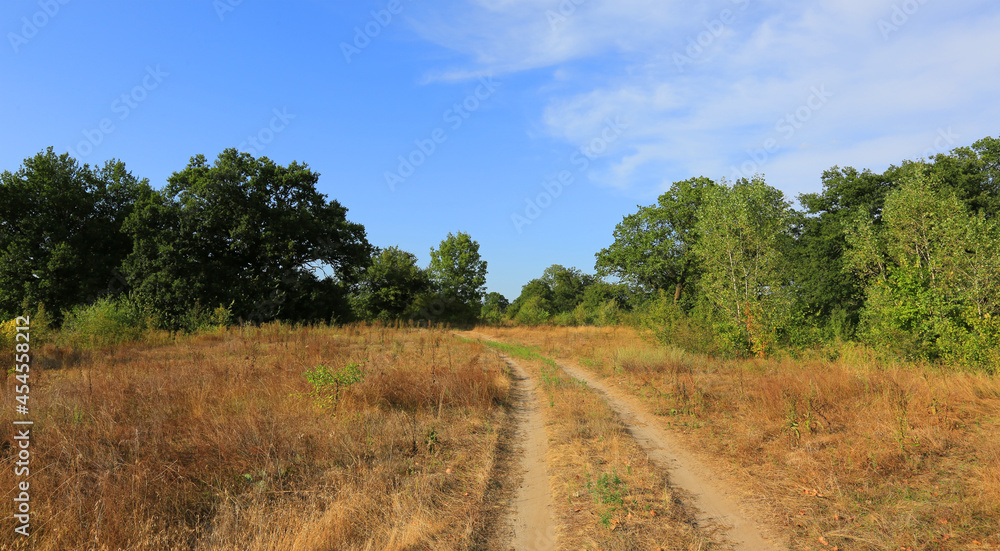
[532,521]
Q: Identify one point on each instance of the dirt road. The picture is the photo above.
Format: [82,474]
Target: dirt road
[533,525]
[712,497]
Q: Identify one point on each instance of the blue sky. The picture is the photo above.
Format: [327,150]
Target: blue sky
[534,125]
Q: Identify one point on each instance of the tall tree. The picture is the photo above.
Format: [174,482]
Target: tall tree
[458,273]
[817,258]
[744,232]
[567,285]
[972,174]
[245,233]
[389,287]
[933,273]
[653,247]
[61,240]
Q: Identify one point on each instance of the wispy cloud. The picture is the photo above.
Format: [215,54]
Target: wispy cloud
[755,63]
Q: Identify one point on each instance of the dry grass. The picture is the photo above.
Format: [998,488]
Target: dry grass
[849,453]
[606,493]
[213,442]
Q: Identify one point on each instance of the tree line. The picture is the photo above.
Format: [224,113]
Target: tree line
[906,260]
[238,239]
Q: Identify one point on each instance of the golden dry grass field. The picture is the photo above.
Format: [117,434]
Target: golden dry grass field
[219,441]
[380,438]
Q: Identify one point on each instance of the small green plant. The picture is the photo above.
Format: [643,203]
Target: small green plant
[327,384]
[431,439]
[607,490]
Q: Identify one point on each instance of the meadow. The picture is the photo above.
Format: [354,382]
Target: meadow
[394,437]
[261,438]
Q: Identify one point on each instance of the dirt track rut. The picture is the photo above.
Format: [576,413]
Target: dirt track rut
[686,471]
[710,495]
[532,521]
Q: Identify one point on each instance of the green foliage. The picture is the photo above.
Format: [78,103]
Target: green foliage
[567,287]
[61,239]
[653,247]
[106,322]
[8,330]
[744,233]
[560,294]
[328,384]
[458,274]
[244,232]
[933,270]
[389,287]
[608,490]
[534,311]
[671,325]
[494,309]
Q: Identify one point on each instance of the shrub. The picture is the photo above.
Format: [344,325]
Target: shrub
[107,322]
[532,312]
[7,331]
[672,325]
[328,384]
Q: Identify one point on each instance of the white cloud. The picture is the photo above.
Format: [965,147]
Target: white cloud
[940,69]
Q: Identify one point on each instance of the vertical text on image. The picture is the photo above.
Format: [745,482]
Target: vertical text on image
[22,426]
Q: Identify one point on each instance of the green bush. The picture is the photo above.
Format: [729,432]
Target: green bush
[672,325]
[107,322]
[532,312]
[202,319]
[327,385]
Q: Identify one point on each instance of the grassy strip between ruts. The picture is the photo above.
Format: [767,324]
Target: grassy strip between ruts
[607,494]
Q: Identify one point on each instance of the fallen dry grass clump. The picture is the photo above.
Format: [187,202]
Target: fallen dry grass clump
[606,493]
[220,442]
[847,454]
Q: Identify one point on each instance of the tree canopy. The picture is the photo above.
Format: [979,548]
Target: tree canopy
[653,247]
[61,231]
[247,234]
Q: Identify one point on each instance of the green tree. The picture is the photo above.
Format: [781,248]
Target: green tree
[539,293]
[389,287]
[817,260]
[458,274]
[61,240]
[534,310]
[933,273]
[567,286]
[246,233]
[823,285]
[494,307]
[744,231]
[653,247]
